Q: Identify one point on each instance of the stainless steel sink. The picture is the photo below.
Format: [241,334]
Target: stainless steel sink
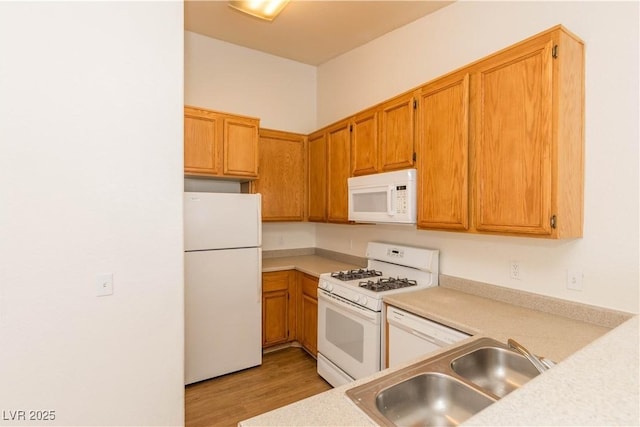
[431,399]
[495,369]
[447,389]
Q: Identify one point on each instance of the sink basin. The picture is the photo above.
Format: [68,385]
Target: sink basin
[495,369]
[446,389]
[430,399]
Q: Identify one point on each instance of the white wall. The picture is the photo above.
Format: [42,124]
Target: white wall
[91,182]
[234,79]
[288,235]
[464,32]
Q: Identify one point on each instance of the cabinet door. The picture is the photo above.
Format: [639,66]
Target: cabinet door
[282,172]
[317,177]
[202,142]
[275,315]
[443,154]
[308,328]
[278,308]
[513,131]
[364,143]
[309,340]
[240,147]
[397,133]
[338,151]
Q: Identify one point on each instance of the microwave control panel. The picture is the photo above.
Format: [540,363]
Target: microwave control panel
[401,199]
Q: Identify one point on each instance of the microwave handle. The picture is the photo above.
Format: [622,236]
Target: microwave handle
[391,200]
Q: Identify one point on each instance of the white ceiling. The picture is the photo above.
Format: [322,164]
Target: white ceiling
[311,32]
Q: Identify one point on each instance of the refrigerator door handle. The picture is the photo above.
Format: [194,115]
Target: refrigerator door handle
[259,221]
[260,276]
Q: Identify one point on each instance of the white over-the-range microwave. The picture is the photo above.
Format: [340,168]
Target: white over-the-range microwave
[388,197]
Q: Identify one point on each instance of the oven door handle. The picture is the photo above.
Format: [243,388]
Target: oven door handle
[347,307]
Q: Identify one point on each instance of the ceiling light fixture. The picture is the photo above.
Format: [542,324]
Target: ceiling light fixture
[263,9]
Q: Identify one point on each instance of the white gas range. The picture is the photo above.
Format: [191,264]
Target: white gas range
[350,305]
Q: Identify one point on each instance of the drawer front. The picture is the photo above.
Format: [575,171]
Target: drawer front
[310,286]
[276,280]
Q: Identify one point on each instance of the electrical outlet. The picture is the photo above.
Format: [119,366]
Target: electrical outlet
[104,284]
[515,270]
[575,279]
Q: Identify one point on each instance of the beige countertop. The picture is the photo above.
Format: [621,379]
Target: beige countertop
[310,264]
[595,383]
[596,386]
[548,335]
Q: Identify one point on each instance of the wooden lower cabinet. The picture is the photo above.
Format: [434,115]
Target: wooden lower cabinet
[278,307]
[290,309]
[308,313]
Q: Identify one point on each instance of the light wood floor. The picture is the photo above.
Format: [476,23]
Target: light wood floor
[284,377]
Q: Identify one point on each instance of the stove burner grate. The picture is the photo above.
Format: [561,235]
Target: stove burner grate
[387,284]
[356,274]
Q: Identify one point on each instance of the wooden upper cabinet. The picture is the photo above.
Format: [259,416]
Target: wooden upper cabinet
[317,177]
[202,142]
[338,167]
[282,159]
[240,146]
[397,133]
[364,143]
[527,104]
[443,154]
[220,144]
[499,144]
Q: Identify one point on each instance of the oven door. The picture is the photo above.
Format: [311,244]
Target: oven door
[348,335]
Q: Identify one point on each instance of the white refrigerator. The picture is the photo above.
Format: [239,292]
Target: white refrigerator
[223,284]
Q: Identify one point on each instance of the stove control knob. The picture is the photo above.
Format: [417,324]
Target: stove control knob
[329,287]
[364,300]
[356,298]
[322,284]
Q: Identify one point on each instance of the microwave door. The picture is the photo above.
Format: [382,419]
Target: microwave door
[371,204]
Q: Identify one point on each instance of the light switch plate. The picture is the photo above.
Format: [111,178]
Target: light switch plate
[104,284]
[575,280]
